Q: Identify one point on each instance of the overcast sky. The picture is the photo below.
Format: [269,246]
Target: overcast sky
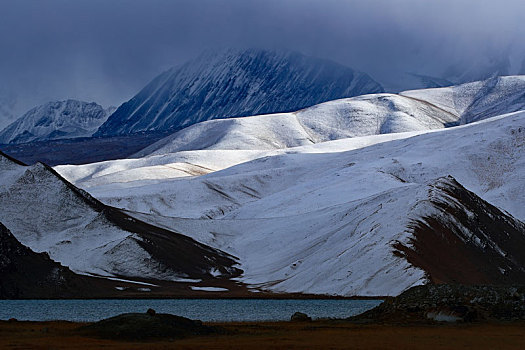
[106,50]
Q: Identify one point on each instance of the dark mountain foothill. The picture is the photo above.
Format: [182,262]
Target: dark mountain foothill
[26,274]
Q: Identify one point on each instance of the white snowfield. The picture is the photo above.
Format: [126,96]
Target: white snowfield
[352,117]
[321,217]
[478,100]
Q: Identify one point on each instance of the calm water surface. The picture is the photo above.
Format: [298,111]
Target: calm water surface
[202,309]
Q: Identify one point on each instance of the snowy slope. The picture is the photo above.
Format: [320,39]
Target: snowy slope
[56,120]
[192,163]
[416,110]
[478,100]
[46,213]
[352,117]
[487,157]
[235,83]
[352,248]
[327,222]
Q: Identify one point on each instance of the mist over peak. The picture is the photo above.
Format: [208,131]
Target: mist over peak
[107,51]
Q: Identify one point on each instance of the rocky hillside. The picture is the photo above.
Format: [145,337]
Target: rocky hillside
[463,239]
[450,303]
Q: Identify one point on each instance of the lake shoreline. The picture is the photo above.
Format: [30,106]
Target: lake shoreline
[206,310]
[257,296]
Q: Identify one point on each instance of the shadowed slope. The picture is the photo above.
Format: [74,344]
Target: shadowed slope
[463,239]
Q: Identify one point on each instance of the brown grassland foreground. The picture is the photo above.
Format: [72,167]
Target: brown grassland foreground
[281,335]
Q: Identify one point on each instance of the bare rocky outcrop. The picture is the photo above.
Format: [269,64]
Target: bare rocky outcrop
[450,303]
[300,317]
[136,326]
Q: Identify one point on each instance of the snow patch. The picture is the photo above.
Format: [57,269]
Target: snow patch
[209,289]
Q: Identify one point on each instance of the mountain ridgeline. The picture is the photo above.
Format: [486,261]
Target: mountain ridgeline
[235,83]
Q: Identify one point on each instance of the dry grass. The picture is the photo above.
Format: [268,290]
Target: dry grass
[282,335]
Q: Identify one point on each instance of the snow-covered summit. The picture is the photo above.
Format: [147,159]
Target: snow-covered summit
[56,120]
[234,83]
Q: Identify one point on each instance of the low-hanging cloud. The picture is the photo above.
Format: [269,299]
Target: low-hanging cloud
[105,51]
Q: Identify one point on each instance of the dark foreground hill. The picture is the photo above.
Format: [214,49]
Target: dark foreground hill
[26,274]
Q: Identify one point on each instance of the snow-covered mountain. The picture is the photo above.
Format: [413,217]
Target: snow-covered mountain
[315,201]
[56,120]
[356,216]
[333,120]
[410,111]
[48,214]
[235,83]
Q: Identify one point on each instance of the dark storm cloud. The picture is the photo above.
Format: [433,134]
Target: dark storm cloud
[106,51]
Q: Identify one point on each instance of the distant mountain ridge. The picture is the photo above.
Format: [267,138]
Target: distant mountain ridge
[56,120]
[235,83]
